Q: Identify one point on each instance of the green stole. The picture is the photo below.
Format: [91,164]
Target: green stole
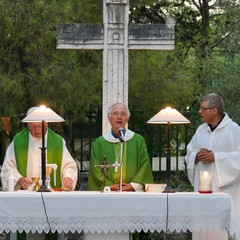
[54,155]
[54,152]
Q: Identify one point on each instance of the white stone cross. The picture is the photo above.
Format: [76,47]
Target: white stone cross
[115,37]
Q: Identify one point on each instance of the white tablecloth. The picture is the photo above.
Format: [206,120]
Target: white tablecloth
[115,212]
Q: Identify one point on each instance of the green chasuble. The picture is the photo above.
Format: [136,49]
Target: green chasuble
[54,152]
[136,164]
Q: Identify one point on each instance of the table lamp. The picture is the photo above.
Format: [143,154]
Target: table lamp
[168,116]
[43,114]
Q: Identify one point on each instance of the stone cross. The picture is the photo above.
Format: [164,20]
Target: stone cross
[115,37]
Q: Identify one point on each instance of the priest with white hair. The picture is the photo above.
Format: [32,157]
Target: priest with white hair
[23,158]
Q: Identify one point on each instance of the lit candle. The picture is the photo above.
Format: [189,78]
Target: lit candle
[205,181]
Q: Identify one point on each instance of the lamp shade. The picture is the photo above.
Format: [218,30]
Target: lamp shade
[43,113]
[168,115]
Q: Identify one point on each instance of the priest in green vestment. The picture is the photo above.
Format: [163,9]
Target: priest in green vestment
[22,162]
[23,158]
[119,146]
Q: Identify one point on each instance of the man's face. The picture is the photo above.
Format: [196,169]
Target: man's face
[118,117]
[206,114]
[36,129]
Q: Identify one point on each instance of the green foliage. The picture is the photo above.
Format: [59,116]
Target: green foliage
[225,74]
[166,76]
[32,70]
[180,182]
[162,236]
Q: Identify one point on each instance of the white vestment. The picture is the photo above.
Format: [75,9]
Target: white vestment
[68,168]
[224,142]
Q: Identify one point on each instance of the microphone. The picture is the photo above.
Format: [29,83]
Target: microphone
[121,132]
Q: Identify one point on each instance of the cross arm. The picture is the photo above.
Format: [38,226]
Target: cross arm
[151,36]
[80,36]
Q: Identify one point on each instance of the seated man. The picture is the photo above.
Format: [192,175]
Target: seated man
[136,167]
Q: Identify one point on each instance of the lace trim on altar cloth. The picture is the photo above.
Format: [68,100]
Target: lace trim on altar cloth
[13,224]
[126,224]
[120,224]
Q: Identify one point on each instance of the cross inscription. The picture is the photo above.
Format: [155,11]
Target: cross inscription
[115,37]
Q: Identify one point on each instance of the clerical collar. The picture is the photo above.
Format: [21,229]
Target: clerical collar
[213,128]
[115,135]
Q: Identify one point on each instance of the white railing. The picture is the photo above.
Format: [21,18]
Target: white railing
[159,163]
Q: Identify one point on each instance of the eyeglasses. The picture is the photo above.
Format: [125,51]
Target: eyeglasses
[205,108]
[121,114]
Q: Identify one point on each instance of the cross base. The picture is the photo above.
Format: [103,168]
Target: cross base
[168,189]
[44,188]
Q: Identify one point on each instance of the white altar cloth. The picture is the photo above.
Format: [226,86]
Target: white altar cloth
[95,212]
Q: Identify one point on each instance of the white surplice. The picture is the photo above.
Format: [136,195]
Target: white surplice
[224,142]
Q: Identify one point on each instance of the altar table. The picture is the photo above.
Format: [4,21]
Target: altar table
[95,212]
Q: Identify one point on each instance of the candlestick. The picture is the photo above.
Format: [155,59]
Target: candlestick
[205,181]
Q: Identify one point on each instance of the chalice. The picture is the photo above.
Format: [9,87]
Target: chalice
[36,182]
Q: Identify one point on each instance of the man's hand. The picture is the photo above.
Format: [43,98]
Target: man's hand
[67,184]
[24,183]
[204,156]
[125,187]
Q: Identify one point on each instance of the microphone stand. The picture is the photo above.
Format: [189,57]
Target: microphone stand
[121,163]
[121,139]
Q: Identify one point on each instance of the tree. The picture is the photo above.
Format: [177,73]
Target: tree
[206,41]
[33,70]
[202,25]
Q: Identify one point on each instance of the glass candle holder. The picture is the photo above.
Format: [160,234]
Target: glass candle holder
[205,181]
